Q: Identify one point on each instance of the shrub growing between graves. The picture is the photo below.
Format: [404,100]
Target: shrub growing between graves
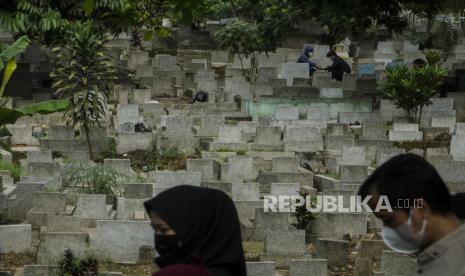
[412,89]
[253,250]
[72,266]
[160,158]
[3,217]
[303,215]
[83,74]
[442,36]
[109,151]
[13,168]
[99,179]
[244,41]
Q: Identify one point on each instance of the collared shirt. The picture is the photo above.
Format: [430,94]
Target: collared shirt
[444,257]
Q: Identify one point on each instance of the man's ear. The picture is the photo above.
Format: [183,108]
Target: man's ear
[423,208]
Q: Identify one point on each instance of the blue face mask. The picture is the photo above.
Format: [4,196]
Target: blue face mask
[402,239]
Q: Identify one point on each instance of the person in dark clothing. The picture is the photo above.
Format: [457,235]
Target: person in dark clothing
[305,58]
[197,232]
[339,66]
[419,63]
[200,97]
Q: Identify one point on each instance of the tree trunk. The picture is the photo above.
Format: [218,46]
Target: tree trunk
[233,8]
[89,143]
[429,23]
[419,114]
[430,17]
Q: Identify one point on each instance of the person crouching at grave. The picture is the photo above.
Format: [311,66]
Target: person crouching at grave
[421,220]
[419,63]
[339,66]
[200,97]
[197,232]
[305,58]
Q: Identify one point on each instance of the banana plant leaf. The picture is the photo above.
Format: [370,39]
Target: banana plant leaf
[9,116]
[8,56]
[3,133]
[15,48]
[88,6]
[7,73]
[45,107]
[5,146]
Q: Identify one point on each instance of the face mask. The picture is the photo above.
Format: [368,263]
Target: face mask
[165,244]
[402,239]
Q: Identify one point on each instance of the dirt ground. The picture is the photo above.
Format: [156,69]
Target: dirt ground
[12,261]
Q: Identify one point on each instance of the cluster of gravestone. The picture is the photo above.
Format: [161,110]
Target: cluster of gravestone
[255,140]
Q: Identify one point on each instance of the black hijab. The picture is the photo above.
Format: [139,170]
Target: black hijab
[206,222]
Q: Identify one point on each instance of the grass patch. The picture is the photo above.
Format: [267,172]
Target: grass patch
[126,269]
[109,152]
[223,150]
[230,123]
[18,155]
[253,249]
[166,158]
[50,190]
[333,175]
[57,154]
[14,169]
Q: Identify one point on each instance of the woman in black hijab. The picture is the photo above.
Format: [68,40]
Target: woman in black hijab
[196,227]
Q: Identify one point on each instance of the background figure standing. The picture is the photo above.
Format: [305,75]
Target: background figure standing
[305,58]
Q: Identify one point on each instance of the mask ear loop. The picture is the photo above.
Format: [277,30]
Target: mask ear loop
[423,225]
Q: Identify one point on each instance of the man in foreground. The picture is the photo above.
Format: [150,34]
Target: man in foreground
[422,221]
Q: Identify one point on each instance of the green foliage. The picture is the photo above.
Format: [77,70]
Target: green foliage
[72,266]
[9,116]
[84,75]
[3,217]
[244,40]
[150,13]
[302,214]
[40,20]
[198,151]
[46,21]
[343,18]
[88,6]
[8,65]
[159,158]
[8,61]
[214,9]
[332,175]
[433,57]
[13,168]
[224,150]
[262,26]
[412,89]
[49,190]
[99,179]
[110,150]
[442,36]
[9,52]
